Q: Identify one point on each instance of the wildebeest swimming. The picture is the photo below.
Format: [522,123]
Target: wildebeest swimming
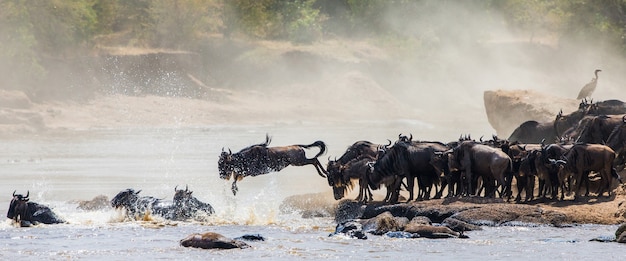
[260,159]
[25,213]
[183,207]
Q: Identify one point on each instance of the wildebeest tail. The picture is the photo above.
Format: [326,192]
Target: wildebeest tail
[616,175]
[319,144]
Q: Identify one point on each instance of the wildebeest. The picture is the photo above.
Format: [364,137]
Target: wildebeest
[25,213]
[617,142]
[137,206]
[186,206]
[581,159]
[356,169]
[260,159]
[451,178]
[409,159]
[598,128]
[491,164]
[534,132]
[183,207]
[341,171]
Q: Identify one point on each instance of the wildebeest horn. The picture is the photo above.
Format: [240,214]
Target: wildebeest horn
[481,139]
[138,191]
[27,193]
[176,188]
[14,192]
[388,144]
[222,149]
[410,136]
[229,152]
[186,188]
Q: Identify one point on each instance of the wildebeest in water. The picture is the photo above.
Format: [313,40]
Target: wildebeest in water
[183,207]
[260,159]
[26,213]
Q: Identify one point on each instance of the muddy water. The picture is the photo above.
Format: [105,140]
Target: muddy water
[60,168]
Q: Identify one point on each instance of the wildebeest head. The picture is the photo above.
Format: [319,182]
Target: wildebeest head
[337,180]
[225,164]
[18,208]
[334,173]
[181,195]
[126,198]
[186,205]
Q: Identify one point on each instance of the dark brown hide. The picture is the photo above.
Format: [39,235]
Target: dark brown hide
[260,159]
[581,159]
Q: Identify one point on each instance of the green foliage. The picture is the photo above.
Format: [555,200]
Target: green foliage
[294,20]
[32,30]
[176,24]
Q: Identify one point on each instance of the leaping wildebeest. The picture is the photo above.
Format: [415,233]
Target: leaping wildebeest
[260,159]
[25,213]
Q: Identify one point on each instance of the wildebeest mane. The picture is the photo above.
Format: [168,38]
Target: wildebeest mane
[391,163]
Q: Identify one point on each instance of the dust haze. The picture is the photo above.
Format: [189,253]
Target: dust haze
[432,86]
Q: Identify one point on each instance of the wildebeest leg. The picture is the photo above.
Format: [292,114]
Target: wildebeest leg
[444,184]
[520,181]
[542,186]
[585,178]
[316,163]
[234,188]
[410,182]
[530,188]
[364,189]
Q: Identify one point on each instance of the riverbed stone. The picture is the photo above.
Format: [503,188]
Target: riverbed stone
[211,240]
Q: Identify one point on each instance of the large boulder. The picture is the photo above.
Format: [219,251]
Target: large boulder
[507,109]
[211,240]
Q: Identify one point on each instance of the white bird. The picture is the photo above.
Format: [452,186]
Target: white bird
[588,89]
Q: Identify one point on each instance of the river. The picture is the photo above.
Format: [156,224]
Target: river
[59,168]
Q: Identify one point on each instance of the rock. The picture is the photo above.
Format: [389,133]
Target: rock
[384,223]
[610,238]
[507,109]
[620,230]
[421,220]
[352,229]
[401,234]
[429,231]
[510,214]
[459,226]
[97,203]
[310,205]
[211,240]
[436,213]
[348,210]
[621,238]
[248,237]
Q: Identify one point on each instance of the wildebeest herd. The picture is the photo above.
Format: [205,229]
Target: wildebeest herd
[547,160]
[540,159]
